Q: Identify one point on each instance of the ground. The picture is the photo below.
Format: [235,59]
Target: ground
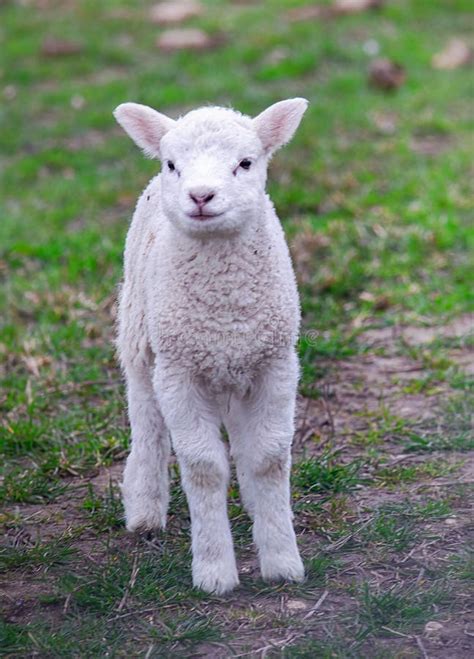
[376,201]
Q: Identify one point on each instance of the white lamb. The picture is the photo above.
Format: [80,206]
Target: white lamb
[208,322]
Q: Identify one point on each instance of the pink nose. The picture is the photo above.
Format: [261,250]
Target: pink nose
[202,199]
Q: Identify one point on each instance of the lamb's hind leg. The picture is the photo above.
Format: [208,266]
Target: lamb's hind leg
[145,487]
[261,431]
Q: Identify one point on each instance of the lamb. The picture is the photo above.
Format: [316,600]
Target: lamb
[207,326]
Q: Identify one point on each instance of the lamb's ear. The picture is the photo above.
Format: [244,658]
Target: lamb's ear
[145,126]
[277,124]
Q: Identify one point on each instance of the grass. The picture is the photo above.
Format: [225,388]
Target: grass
[311,648]
[453,433]
[398,527]
[39,554]
[95,635]
[31,486]
[12,637]
[394,475]
[105,511]
[463,565]
[383,426]
[325,474]
[389,530]
[401,609]
[380,233]
[319,568]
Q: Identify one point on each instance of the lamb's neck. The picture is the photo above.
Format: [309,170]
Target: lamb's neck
[217,246]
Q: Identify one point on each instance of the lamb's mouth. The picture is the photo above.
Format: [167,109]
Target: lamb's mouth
[203,216]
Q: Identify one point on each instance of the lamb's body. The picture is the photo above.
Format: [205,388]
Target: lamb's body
[208,321]
[220,309]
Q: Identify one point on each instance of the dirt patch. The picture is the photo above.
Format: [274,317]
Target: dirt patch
[45,522]
[387,337]
[431,145]
[381,382]
[356,389]
[464,359]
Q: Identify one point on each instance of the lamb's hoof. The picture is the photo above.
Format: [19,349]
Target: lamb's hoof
[282,568]
[145,521]
[215,578]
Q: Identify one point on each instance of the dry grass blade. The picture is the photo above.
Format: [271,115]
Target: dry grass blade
[394,631]
[131,584]
[422,647]
[317,605]
[344,540]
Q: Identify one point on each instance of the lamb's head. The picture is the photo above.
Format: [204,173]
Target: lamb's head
[214,160]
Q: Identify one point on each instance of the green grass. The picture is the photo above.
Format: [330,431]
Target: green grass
[307,649]
[381,235]
[12,637]
[399,608]
[31,486]
[454,432]
[382,426]
[106,511]
[40,554]
[398,526]
[319,568]
[462,565]
[394,475]
[96,637]
[389,530]
[160,577]
[326,474]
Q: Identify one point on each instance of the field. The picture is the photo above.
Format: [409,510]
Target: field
[375,195]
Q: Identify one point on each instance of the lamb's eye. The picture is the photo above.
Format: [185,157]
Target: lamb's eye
[245,163]
[171,166]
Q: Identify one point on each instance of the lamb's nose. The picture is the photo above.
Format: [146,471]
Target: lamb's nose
[201,199]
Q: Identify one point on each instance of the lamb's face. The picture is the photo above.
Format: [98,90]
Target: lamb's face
[213,172]
[214,161]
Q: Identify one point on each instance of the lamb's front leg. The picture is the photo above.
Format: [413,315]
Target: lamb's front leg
[194,424]
[261,431]
[145,487]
